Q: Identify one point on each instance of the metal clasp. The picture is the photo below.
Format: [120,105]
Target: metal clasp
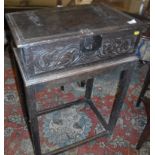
[86,32]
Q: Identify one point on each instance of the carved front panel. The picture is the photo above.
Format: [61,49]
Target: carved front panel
[67,54]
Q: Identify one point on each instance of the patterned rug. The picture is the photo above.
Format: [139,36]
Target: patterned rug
[64,127]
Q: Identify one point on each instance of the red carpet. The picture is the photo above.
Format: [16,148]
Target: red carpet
[67,126]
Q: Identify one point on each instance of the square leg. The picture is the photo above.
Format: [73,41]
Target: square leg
[124,81]
[123,85]
[144,87]
[27,99]
[33,118]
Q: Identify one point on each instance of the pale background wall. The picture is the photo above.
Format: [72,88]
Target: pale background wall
[126,5]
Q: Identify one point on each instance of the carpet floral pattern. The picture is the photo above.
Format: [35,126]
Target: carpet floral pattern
[77,122]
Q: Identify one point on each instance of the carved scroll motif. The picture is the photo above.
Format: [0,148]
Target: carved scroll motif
[114,47]
[71,55]
[58,58]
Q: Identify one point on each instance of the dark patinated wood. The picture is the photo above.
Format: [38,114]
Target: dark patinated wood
[98,114]
[145,135]
[36,27]
[33,121]
[74,39]
[57,151]
[62,106]
[123,85]
[89,88]
[64,45]
[78,73]
[69,54]
[145,86]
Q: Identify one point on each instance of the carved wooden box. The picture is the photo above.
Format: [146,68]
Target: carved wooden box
[64,38]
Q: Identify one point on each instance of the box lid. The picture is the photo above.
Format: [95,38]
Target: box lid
[48,25]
